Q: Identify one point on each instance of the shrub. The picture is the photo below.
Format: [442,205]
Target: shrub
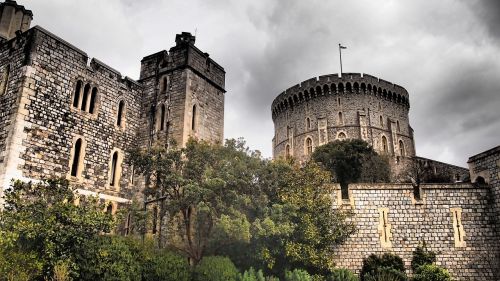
[387,264]
[386,275]
[297,275]
[166,266]
[430,272]
[110,258]
[252,275]
[61,272]
[422,256]
[215,268]
[342,274]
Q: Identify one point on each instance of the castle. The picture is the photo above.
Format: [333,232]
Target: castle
[66,115]
[69,116]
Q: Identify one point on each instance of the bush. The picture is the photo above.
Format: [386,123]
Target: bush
[252,275]
[430,272]
[421,256]
[342,274]
[387,264]
[215,268]
[166,266]
[386,274]
[110,258]
[297,275]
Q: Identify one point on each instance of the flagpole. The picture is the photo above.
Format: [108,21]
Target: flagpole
[340,53]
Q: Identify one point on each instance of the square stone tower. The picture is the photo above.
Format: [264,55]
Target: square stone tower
[183,94]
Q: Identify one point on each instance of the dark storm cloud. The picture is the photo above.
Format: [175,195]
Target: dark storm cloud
[488,11]
[443,52]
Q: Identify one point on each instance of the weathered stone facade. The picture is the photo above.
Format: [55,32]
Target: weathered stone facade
[65,115]
[352,106]
[456,221]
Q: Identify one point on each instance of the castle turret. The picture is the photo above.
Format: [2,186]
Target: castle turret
[13,18]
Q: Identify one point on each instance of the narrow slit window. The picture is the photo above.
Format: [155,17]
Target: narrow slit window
[76,96]
[384,228]
[85,97]
[397,126]
[162,117]
[114,164]
[287,151]
[341,119]
[458,228]
[308,123]
[401,148]
[381,121]
[93,98]
[193,119]
[119,117]
[5,80]
[77,151]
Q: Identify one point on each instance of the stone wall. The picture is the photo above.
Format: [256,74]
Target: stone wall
[182,81]
[456,221]
[14,56]
[52,123]
[353,106]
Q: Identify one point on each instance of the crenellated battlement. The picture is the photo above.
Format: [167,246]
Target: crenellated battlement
[332,84]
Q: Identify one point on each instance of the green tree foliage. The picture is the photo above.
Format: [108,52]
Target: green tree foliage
[422,256]
[300,227]
[388,265]
[430,272]
[208,189]
[112,258]
[215,268]
[166,266]
[351,161]
[298,275]
[252,275]
[342,274]
[40,226]
[226,200]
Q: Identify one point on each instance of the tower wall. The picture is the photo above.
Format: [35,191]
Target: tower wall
[331,107]
[184,81]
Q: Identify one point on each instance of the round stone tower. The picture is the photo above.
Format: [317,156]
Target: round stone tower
[354,106]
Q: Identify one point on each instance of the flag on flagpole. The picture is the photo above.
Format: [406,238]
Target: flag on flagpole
[342,47]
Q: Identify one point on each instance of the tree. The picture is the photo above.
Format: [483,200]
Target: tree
[351,161]
[300,228]
[206,188]
[40,226]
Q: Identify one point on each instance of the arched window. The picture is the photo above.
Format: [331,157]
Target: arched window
[381,121]
[162,117]
[193,118]
[341,136]
[76,95]
[308,123]
[401,148]
[119,116]
[114,168]
[109,209]
[93,98]
[287,151]
[85,97]
[341,119]
[5,80]
[384,144]
[77,154]
[309,146]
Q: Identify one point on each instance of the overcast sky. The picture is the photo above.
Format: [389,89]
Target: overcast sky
[445,53]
